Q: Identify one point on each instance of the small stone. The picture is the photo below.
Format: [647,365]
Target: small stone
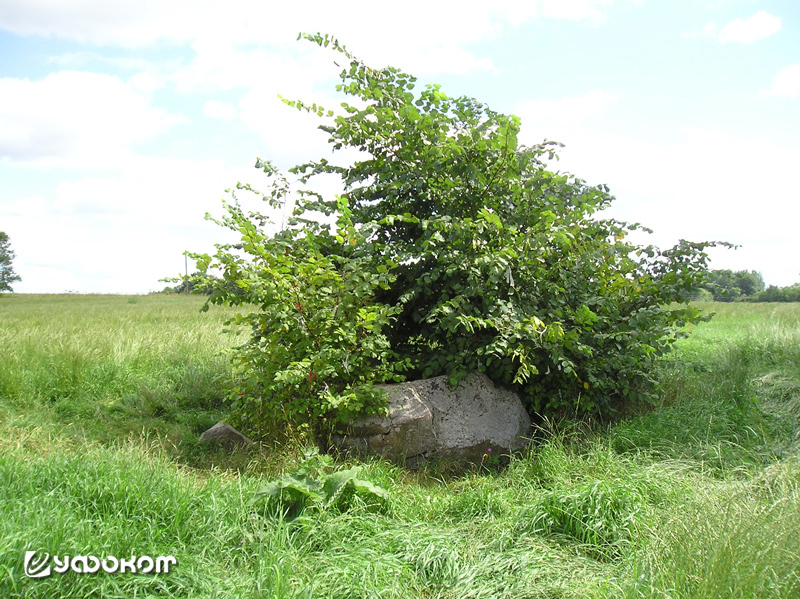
[226,436]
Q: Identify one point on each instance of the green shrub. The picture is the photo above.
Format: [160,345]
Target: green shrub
[456,250]
[317,341]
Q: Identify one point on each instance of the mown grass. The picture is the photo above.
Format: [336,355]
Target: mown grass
[102,399]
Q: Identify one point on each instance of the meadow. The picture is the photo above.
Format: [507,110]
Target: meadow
[102,400]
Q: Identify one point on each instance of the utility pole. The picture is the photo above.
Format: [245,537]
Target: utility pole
[186,267]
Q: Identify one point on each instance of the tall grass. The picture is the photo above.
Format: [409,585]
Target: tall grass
[734,540]
[110,365]
[102,399]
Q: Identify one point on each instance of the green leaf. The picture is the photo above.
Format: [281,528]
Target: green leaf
[335,483]
[491,218]
[366,487]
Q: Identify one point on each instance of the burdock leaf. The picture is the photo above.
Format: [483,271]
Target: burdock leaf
[364,486]
[335,483]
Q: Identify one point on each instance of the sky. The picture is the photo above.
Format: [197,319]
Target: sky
[123,123]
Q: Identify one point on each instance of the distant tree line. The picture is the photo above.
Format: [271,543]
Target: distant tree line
[729,286]
[742,286]
[773,293]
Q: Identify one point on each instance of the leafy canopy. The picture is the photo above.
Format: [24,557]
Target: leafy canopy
[455,248]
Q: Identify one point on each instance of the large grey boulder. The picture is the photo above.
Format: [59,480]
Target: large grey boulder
[429,419]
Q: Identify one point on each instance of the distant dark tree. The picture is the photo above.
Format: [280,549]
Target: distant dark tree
[749,283]
[7,274]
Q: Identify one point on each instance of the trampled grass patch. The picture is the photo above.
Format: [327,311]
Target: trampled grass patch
[102,401]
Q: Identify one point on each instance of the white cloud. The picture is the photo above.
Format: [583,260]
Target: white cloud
[419,35]
[84,58]
[441,59]
[121,233]
[75,118]
[220,110]
[707,185]
[553,118]
[127,24]
[708,30]
[132,23]
[289,135]
[574,10]
[746,31]
[786,83]
[218,66]
[86,232]
[146,82]
[148,191]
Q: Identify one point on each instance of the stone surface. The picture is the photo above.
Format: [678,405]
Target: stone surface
[227,436]
[427,419]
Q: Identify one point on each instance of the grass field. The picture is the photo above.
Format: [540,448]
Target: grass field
[102,399]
